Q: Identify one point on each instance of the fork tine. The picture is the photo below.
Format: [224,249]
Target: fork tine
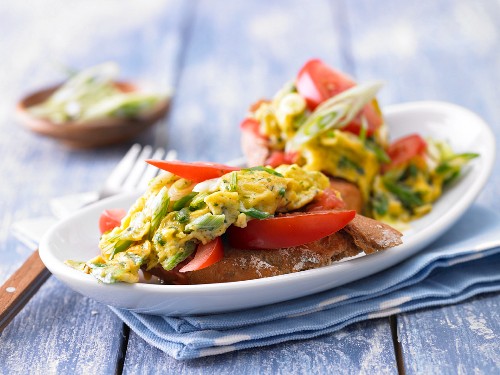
[136,172]
[150,171]
[120,172]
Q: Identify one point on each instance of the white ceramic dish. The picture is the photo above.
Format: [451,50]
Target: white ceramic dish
[77,237]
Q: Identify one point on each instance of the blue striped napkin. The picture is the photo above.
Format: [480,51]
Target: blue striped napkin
[462,263]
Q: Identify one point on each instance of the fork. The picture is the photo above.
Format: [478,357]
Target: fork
[130,174]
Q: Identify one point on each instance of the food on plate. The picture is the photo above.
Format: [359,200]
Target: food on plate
[326,122]
[203,223]
[93,94]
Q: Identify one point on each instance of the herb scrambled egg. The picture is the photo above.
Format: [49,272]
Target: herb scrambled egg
[165,225]
[320,143]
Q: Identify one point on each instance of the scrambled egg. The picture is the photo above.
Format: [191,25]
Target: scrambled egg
[343,155]
[165,225]
[395,197]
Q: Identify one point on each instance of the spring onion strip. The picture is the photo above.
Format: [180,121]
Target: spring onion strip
[334,113]
[256,214]
[206,222]
[184,201]
[264,169]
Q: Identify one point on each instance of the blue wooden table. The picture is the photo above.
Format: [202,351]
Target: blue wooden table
[219,56]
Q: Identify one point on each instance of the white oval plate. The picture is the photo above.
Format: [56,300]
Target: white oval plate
[77,237]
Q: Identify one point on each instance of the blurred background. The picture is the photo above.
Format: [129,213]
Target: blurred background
[218,57]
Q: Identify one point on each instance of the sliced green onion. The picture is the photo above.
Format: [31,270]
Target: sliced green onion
[172,261]
[182,216]
[334,113]
[346,163]
[450,168]
[380,204]
[264,169]
[233,184]
[120,246]
[198,202]
[408,198]
[282,192]
[363,130]
[160,208]
[206,222]
[379,152]
[184,201]
[256,214]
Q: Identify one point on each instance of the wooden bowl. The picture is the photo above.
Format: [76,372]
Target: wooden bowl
[89,134]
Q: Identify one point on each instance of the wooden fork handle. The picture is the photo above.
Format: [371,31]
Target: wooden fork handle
[20,287]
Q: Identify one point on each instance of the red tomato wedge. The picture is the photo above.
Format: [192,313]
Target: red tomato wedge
[251,125]
[276,158]
[404,149]
[328,200]
[317,82]
[110,219]
[288,230]
[196,171]
[205,256]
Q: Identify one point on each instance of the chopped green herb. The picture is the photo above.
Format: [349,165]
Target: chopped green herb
[380,204]
[182,216]
[198,202]
[257,214]
[206,222]
[172,261]
[282,192]
[364,127]
[346,163]
[120,246]
[160,208]
[379,152]
[233,186]
[408,198]
[184,201]
[264,169]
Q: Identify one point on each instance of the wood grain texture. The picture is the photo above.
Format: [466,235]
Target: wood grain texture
[20,287]
[61,332]
[463,338]
[364,348]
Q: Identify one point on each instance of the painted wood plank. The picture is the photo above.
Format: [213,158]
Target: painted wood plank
[239,52]
[463,338]
[364,348]
[61,332]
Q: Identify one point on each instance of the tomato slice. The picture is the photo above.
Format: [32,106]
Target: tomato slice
[288,230]
[196,171]
[317,82]
[251,125]
[328,200]
[280,157]
[205,256]
[404,149]
[110,219]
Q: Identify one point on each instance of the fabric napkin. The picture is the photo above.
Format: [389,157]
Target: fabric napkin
[462,263]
